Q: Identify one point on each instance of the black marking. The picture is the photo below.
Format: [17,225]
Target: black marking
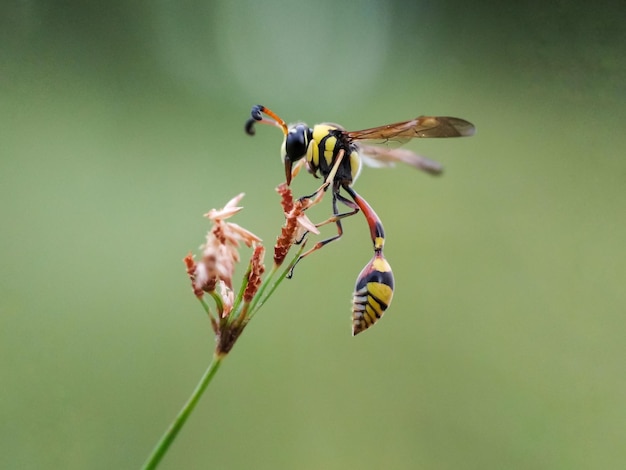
[380,231]
[250,126]
[383,305]
[257,112]
[324,165]
[256,115]
[378,277]
[297,142]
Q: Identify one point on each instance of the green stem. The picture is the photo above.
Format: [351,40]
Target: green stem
[259,294]
[163,445]
[218,303]
[261,297]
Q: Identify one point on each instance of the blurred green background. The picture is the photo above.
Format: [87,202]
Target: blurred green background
[121,123]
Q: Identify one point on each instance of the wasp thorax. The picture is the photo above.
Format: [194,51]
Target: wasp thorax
[297,142]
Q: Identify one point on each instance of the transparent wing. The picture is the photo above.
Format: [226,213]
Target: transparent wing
[380,157]
[423,126]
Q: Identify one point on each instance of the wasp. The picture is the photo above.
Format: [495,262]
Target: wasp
[335,154]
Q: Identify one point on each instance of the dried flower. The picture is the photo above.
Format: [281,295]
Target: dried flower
[213,274]
[228,299]
[227,211]
[254,276]
[220,252]
[297,224]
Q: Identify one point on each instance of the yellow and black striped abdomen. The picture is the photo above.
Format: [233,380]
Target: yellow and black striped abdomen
[372,294]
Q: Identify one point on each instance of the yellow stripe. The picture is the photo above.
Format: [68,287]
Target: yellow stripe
[329,149]
[370,316]
[380,291]
[379,242]
[380,264]
[319,132]
[376,306]
[313,157]
[355,165]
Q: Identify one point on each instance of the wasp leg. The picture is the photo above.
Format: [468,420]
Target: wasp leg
[315,198]
[310,201]
[336,219]
[318,195]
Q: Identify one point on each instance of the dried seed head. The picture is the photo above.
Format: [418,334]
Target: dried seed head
[285,240]
[227,211]
[220,252]
[192,272]
[238,233]
[217,263]
[286,197]
[256,271]
[297,224]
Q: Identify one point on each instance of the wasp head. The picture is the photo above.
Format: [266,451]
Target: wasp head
[297,145]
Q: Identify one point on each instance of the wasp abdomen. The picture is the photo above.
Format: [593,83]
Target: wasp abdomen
[372,294]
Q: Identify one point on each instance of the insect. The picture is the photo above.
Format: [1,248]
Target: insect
[336,155]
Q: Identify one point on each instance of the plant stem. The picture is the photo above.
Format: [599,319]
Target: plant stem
[163,445]
[260,297]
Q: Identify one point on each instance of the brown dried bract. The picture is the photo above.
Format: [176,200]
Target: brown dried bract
[256,271]
[296,223]
[286,197]
[220,252]
[192,267]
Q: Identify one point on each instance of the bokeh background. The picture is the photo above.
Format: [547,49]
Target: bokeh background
[121,123]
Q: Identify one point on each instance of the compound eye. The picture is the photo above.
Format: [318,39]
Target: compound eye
[297,142]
